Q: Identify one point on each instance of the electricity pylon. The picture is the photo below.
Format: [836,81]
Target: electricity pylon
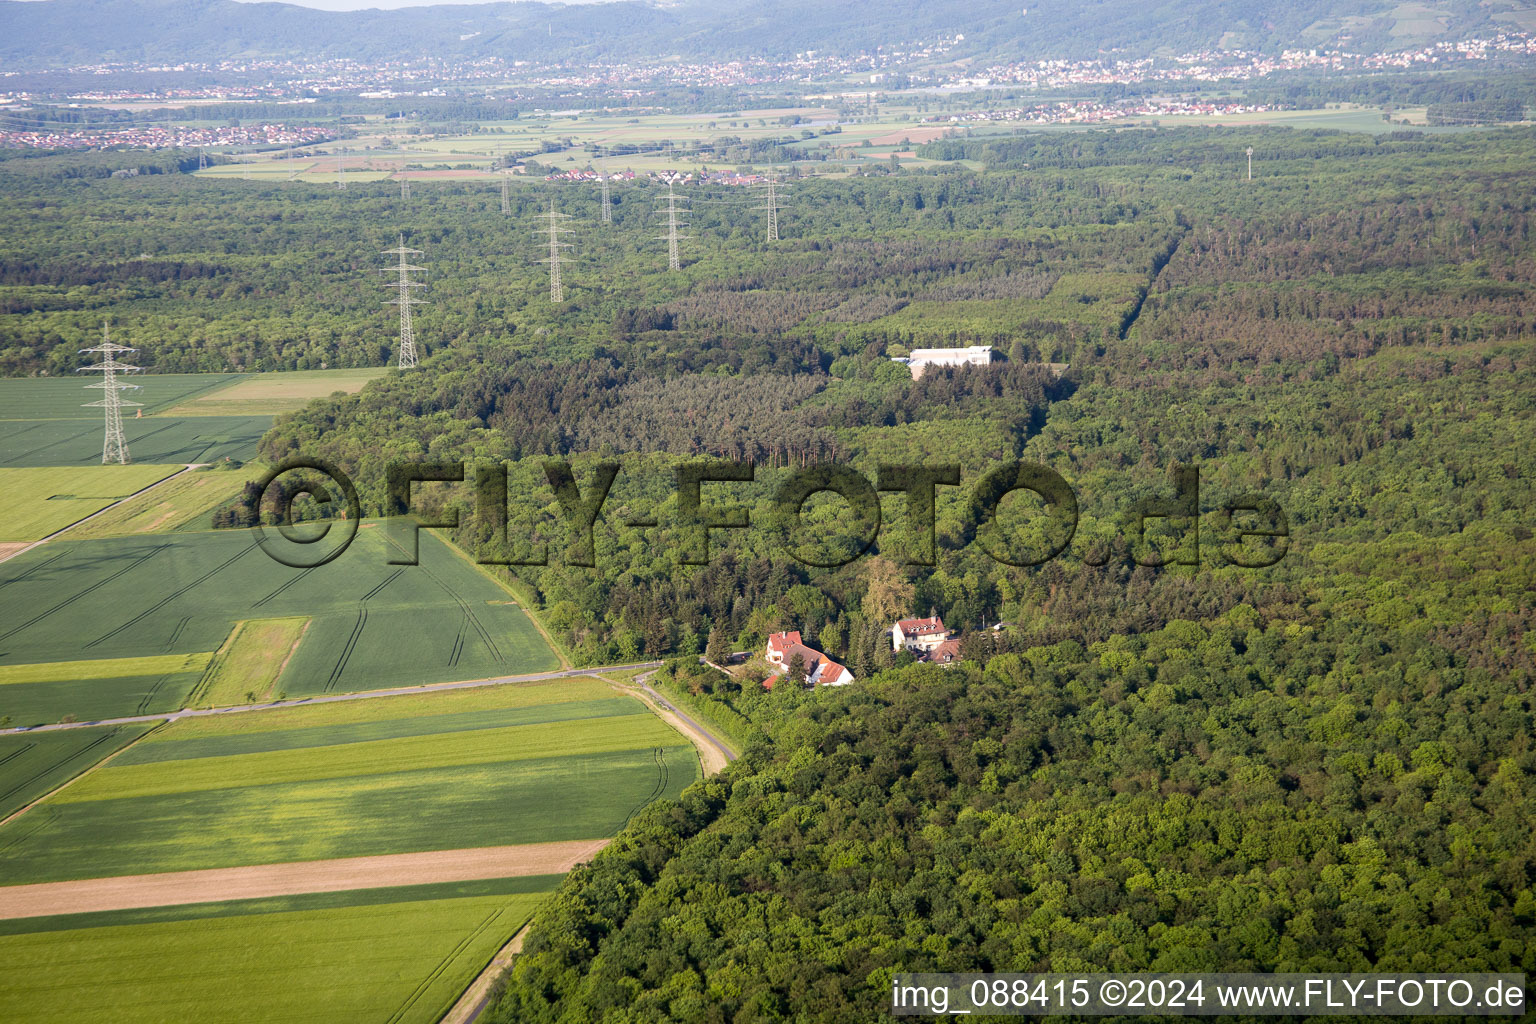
[114,447]
[771,206]
[673,262]
[405,188]
[405,301]
[341,182]
[506,195]
[556,287]
[607,208]
[202,159]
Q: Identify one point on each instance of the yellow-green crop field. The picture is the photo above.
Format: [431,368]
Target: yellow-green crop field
[268,394]
[38,501]
[366,955]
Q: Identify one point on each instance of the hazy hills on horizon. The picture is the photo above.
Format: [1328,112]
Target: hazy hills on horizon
[58,33]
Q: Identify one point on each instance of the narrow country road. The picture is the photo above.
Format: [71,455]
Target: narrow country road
[666,705]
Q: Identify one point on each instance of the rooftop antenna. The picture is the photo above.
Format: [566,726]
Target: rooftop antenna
[405,301]
[556,287]
[114,447]
[607,208]
[673,262]
[771,205]
[1250,163]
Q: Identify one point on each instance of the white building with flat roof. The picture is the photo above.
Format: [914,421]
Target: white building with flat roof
[922,358]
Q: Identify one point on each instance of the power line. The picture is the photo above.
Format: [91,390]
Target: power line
[556,286]
[114,447]
[771,205]
[405,301]
[673,261]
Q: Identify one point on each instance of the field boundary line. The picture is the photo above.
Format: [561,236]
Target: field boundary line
[477,996]
[190,466]
[309,621]
[262,881]
[332,698]
[82,773]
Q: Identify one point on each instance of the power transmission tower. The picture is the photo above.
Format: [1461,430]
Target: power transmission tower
[114,447]
[673,262]
[1250,163]
[405,301]
[202,159]
[771,206]
[405,188]
[607,209]
[506,195]
[556,287]
[341,181]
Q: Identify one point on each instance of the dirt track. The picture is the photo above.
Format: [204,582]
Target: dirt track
[217,884]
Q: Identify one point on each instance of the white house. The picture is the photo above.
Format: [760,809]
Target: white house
[820,670]
[918,635]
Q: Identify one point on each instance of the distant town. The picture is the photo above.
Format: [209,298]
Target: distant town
[919,70]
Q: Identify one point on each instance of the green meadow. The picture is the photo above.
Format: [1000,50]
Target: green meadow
[33,764]
[36,502]
[373,625]
[391,780]
[389,960]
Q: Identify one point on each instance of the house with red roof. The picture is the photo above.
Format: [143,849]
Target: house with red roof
[820,670]
[918,635]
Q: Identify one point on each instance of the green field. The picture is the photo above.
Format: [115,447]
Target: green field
[268,394]
[398,781]
[152,439]
[247,666]
[186,503]
[62,398]
[374,625]
[33,764]
[36,502]
[404,962]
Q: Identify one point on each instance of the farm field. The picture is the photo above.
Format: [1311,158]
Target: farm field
[374,625]
[62,398]
[395,782]
[378,955]
[39,501]
[152,439]
[268,394]
[248,664]
[186,503]
[32,765]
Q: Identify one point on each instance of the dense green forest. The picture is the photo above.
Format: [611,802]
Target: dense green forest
[1322,763]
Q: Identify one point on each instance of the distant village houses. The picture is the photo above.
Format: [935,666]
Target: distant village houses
[820,670]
